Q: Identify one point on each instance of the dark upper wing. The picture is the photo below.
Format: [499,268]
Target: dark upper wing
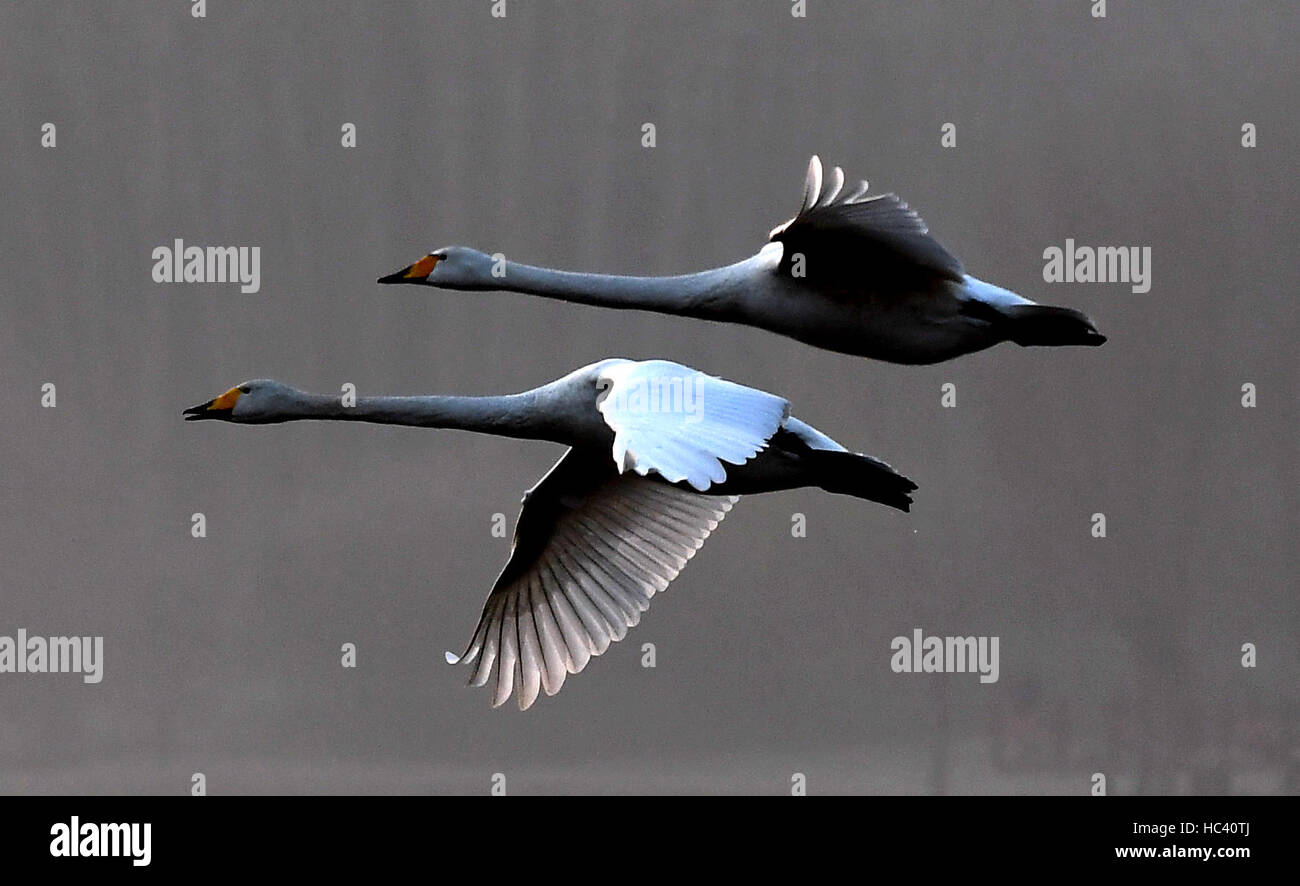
[844,236]
[591,548]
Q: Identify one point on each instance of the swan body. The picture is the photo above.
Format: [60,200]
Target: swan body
[658,454]
[849,273]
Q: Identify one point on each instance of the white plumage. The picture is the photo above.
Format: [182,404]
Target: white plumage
[659,453]
[681,423]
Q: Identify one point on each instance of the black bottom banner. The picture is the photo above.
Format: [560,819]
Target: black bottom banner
[336,834]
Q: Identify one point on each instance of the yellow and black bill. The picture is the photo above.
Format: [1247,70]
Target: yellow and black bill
[216,408]
[413,273]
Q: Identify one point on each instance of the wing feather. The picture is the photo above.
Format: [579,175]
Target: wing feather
[592,547]
[681,423]
[846,236]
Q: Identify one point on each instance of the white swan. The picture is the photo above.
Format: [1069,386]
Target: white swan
[658,454]
[849,273]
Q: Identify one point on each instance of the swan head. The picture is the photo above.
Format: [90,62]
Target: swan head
[452,267]
[260,401]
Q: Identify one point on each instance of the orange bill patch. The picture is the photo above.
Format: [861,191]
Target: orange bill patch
[226,400]
[422,267]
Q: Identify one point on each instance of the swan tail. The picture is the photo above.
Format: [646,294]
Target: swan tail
[1045,326]
[848,473]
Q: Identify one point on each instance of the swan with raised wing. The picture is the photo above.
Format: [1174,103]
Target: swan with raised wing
[850,273]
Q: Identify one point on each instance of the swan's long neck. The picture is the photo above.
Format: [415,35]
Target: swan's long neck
[712,294]
[512,415]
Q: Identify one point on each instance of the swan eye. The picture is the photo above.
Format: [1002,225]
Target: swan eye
[244,389]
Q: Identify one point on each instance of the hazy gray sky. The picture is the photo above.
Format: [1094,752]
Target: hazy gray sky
[523,135]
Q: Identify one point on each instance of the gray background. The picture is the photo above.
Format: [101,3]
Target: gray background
[523,135]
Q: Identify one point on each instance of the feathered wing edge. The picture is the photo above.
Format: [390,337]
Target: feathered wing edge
[815,196]
[883,223]
[730,423]
[591,549]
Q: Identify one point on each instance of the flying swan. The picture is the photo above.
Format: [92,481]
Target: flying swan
[658,455]
[850,273]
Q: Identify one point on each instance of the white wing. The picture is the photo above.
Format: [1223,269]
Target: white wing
[591,548]
[811,436]
[681,423]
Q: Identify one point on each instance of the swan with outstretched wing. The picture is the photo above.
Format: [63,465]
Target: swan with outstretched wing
[658,454]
